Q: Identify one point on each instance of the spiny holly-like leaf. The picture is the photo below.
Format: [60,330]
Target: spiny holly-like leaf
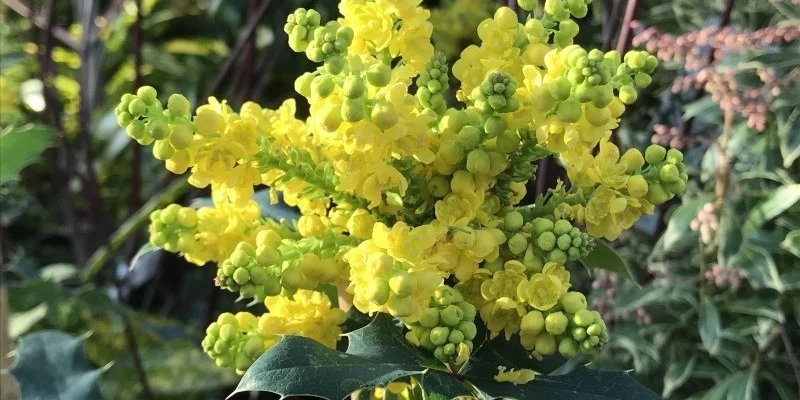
[51,365]
[604,257]
[441,385]
[377,355]
[581,383]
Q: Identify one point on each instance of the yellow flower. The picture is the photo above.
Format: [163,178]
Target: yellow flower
[542,291]
[502,312]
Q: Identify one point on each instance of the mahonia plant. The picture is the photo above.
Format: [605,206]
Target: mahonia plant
[410,203]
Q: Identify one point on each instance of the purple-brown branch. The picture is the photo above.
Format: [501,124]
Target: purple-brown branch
[624,40]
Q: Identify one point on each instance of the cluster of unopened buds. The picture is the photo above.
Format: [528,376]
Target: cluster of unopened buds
[694,50]
[706,223]
[410,204]
[721,276]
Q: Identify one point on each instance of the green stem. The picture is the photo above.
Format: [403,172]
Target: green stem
[131,225]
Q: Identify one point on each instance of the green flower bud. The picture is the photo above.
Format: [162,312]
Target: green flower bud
[136,129]
[332,118]
[583,318]
[158,129]
[513,221]
[451,315]
[556,323]
[518,244]
[579,334]
[569,110]
[384,115]
[675,187]
[439,354]
[439,335]
[353,87]
[541,225]
[429,318]
[137,107]
[353,110]
[532,323]
[451,152]
[400,306]
[178,105]
[469,136]
[546,241]
[455,337]
[564,242]
[553,7]
[322,86]
[497,163]
[449,349]
[508,141]
[558,256]
[402,284]
[597,116]
[147,94]
[669,173]
[656,194]
[642,80]
[438,186]
[494,125]
[628,94]
[572,302]
[379,75]
[674,156]
[478,162]
[334,64]
[469,311]
[560,88]
[562,227]
[241,276]
[468,328]
[181,136]
[545,344]
[162,150]
[654,154]
[568,347]
[595,330]
[528,5]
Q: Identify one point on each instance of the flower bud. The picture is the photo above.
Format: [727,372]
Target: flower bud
[178,105]
[379,75]
[583,318]
[451,315]
[654,154]
[568,347]
[478,162]
[518,244]
[545,344]
[439,335]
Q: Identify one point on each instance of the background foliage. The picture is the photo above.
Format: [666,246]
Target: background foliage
[708,315]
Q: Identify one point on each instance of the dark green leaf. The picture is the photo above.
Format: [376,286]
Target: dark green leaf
[704,109]
[757,307]
[789,134]
[779,201]
[581,383]
[730,239]
[744,387]
[377,355]
[678,234]
[50,365]
[604,257]
[762,272]
[709,325]
[21,147]
[677,374]
[441,385]
[792,242]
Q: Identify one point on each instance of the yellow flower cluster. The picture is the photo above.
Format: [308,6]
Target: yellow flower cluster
[409,204]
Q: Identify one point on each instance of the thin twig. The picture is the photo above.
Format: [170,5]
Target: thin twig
[624,40]
[42,22]
[59,157]
[249,30]
[610,27]
[135,200]
[131,225]
[790,352]
[87,81]
[133,347]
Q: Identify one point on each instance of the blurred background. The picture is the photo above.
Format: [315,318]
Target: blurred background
[712,311]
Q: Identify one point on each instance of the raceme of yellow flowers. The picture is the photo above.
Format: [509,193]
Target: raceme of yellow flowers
[408,202]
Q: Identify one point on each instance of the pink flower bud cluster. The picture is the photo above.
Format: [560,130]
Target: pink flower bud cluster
[605,283]
[671,136]
[692,49]
[722,276]
[643,317]
[706,222]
